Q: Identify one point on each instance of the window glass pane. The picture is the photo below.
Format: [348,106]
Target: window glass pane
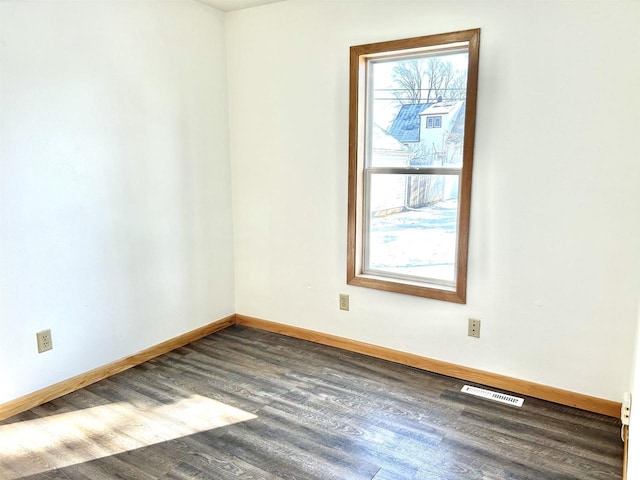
[417,110]
[412,226]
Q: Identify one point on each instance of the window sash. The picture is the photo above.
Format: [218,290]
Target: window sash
[366,225]
[414,170]
[435,282]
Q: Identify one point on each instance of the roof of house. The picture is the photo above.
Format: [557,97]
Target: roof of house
[383,142]
[440,108]
[406,126]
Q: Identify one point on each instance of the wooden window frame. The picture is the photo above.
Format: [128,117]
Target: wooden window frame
[357,105]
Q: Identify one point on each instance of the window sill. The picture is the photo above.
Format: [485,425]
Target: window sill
[426,290]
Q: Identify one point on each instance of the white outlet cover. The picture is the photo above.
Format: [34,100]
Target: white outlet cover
[44,340]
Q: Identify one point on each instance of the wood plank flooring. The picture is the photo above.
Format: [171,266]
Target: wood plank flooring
[248,404]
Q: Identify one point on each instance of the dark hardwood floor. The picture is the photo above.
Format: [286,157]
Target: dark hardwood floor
[247,404]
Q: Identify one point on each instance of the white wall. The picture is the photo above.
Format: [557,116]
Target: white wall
[115,216]
[115,224]
[554,269]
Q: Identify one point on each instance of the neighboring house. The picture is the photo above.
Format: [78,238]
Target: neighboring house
[434,133]
[387,151]
[441,129]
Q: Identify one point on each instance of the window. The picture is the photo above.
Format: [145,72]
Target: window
[410,187]
[434,122]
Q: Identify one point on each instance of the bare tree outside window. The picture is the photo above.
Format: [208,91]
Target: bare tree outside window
[427,79]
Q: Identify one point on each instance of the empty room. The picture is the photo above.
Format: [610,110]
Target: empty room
[319,239]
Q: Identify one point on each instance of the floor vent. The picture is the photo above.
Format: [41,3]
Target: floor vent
[498,397]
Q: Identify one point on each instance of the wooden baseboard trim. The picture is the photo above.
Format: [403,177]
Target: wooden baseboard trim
[52,392]
[523,387]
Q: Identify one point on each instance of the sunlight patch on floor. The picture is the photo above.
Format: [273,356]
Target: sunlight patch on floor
[58,441]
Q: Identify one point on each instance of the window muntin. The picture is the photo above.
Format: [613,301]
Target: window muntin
[409,187]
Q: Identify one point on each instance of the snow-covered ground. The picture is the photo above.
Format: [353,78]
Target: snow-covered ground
[419,242]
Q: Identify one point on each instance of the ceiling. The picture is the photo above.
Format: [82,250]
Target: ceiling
[230,5]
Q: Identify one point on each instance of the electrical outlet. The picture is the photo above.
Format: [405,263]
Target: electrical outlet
[44,341]
[625,412]
[474,328]
[344,301]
